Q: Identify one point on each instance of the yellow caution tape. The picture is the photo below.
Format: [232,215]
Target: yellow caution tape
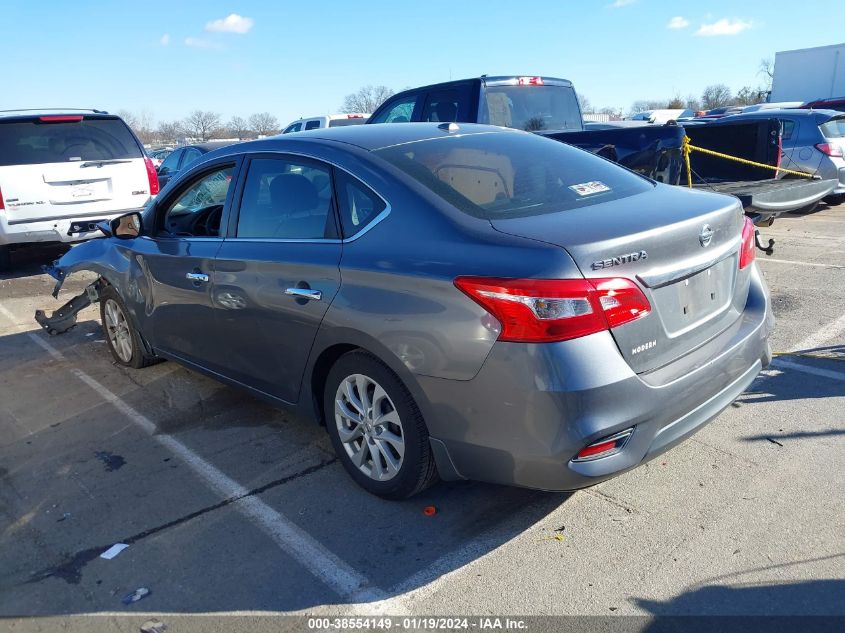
[688,148]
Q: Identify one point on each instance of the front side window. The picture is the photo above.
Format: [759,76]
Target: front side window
[358,205]
[192,154]
[400,111]
[442,106]
[197,211]
[293,127]
[509,174]
[286,199]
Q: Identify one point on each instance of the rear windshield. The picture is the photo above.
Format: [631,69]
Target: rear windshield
[506,175]
[345,122]
[835,128]
[530,108]
[35,142]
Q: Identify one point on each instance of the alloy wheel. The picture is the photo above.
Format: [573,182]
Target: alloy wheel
[118,331]
[369,427]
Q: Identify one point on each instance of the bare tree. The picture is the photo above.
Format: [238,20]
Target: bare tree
[716,96]
[200,124]
[141,123]
[584,102]
[169,131]
[767,69]
[615,113]
[264,124]
[676,103]
[747,96]
[239,127]
[654,104]
[367,99]
[693,103]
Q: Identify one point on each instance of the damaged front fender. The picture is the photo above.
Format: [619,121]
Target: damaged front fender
[103,257]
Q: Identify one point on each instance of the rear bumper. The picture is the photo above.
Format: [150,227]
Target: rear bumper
[53,230]
[531,408]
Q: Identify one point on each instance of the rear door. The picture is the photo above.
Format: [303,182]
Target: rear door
[275,278]
[66,166]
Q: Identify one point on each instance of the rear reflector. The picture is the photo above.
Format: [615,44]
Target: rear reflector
[747,250]
[604,447]
[152,176]
[830,150]
[529,81]
[548,310]
[60,118]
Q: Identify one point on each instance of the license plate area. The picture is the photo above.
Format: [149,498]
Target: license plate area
[84,226]
[688,302]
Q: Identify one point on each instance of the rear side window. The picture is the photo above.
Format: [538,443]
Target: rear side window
[400,111]
[36,142]
[312,125]
[508,174]
[192,154]
[835,128]
[441,106]
[286,199]
[788,129]
[358,205]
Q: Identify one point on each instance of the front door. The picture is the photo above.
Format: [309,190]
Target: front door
[178,264]
[276,276]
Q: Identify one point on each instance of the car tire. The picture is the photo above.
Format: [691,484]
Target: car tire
[385,446]
[5,258]
[833,200]
[122,337]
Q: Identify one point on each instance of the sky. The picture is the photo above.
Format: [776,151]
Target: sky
[296,59]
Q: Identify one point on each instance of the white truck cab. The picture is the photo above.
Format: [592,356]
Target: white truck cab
[328,120]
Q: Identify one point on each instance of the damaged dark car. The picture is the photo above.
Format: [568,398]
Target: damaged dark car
[450,300]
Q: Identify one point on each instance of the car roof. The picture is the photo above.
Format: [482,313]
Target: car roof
[817,114]
[369,137]
[209,146]
[34,113]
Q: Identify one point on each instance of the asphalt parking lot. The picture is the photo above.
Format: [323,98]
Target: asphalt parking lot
[230,506]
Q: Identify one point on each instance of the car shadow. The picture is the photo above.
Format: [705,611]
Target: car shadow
[27,261]
[115,486]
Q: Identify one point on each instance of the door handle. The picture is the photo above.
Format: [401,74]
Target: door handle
[304,293]
[197,277]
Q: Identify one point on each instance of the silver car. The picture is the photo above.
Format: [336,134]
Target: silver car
[813,141]
[460,301]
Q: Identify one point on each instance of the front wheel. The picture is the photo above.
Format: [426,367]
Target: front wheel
[376,428]
[5,258]
[122,337]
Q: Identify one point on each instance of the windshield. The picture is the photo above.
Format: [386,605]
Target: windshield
[530,108]
[835,128]
[505,175]
[35,142]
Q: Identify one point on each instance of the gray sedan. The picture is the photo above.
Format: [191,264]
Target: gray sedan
[459,301]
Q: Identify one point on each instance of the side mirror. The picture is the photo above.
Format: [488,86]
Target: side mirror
[125,227]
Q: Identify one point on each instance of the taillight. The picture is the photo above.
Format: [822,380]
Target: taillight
[547,310]
[529,81]
[831,150]
[605,447]
[60,118]
[746,251]
[152,176]
[2,204]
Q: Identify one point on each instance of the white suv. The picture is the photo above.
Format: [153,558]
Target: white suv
[62,172]
[327,120]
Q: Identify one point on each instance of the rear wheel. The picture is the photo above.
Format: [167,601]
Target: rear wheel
[5,258]
[376,428]
[122,337]
[835,199]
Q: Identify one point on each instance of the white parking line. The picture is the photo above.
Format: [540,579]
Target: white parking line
[796,263]
[823,335]
[808,369]
[345,581]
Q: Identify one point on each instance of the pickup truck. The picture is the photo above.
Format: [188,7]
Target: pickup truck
[549,106]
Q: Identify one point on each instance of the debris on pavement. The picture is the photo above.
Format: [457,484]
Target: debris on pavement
[153,626]
[138,594]
[774,442]
[113,551]
[429,511]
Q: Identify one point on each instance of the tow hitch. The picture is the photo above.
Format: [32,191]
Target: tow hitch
[768,250]
[64,318]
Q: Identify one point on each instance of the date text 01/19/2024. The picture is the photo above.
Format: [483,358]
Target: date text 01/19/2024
[416,623]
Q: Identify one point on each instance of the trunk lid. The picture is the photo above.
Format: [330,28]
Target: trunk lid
[680,246]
